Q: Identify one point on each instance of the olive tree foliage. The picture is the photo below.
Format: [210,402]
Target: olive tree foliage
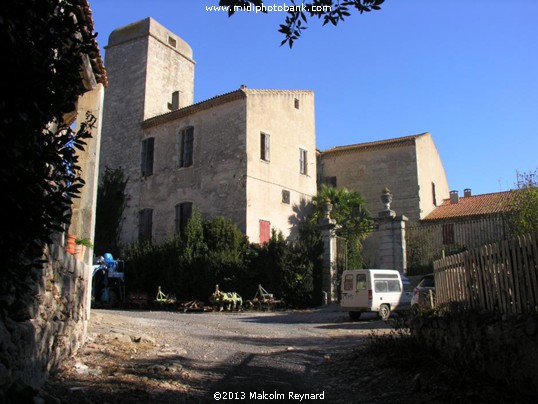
[524,218]
[299,13]
[42,45]
[351,215]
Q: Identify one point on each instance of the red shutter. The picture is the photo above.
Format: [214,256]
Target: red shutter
[265,231]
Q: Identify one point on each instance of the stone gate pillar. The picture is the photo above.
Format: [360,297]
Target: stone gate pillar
[391,252]
[327,227]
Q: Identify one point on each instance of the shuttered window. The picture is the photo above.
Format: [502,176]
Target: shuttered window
[265,231]
[145,225]
[147,156]
[265,147]
[183,214]
[185,146]
[303,161]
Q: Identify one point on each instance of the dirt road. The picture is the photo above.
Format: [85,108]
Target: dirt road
[175,357]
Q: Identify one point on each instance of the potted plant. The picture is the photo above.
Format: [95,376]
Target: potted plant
[80,247]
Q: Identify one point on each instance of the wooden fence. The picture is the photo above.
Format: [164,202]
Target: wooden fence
[428,242]
[501,277]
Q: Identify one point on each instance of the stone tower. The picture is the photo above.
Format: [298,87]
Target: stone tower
[150,72]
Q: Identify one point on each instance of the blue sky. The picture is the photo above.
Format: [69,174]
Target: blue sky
[465,71]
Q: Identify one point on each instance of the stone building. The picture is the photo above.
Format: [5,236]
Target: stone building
[459,223]
[248,155]
[409,166]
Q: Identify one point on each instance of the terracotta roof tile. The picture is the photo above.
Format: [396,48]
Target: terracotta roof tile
[212,102]
[476,205]
[84,15]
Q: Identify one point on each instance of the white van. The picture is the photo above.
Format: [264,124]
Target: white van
[378,290]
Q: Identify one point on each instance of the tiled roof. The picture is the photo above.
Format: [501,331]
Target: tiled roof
[199,106]
[84,16]
[476,205]
[212,102]
[400,141]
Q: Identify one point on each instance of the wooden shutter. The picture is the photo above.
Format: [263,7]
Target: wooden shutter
[265,231]
[147,156]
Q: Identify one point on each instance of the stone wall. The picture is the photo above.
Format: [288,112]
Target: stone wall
[501,347]
[42,321]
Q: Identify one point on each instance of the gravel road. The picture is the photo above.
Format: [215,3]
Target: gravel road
[159,356]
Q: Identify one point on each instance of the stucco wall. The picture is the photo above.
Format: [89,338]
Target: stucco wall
[431,171]
[289,128]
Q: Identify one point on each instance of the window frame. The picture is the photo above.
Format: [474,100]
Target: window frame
[303,161]
[145,225]
[186,147]
[286,197]
[147,157]
[265,147]
[181,217]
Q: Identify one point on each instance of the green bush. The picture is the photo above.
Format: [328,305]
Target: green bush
[212,252]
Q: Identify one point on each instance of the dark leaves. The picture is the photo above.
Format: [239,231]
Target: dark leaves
[331,11]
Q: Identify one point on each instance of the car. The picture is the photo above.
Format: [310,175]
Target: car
[421,293]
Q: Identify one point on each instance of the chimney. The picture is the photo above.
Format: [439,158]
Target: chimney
[467,192]
[454,198]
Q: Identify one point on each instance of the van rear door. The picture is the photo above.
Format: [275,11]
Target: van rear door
[355,291]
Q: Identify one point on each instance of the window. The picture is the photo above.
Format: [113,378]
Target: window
[296,103]
[448,233]
[185,147]
[331,181]
[348,282]
[361,281]
[387,286]
[145,225]
[303,161]
[434,199]
[265,231]
[265,146]
[183,214]
[285,196]
[172,42]
[147,156]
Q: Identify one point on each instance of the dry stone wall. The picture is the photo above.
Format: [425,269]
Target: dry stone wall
[43,320]
[503,348]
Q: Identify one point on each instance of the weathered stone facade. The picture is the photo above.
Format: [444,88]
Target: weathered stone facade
[409,166]
[228,174]
[47,322]
[144,69]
